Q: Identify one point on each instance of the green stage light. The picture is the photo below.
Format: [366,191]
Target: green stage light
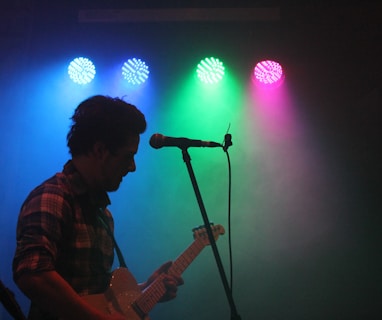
[210,70]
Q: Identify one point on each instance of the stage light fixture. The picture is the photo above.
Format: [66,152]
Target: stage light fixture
[81,70]
[135,71]
[268,73]
[210,70]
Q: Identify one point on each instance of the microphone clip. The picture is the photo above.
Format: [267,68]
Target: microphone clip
[227,142]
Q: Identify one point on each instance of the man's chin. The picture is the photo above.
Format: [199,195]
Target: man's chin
[113,187]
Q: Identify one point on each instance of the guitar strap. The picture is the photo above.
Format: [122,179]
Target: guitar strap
[100,216]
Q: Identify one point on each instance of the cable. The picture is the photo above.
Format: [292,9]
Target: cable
[229,221]
[227,144]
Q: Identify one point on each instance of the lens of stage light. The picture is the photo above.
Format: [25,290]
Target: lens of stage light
[210,70]
[135,71]
[268,72]
[81,70]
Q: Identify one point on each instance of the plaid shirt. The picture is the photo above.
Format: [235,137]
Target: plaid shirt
[58,229]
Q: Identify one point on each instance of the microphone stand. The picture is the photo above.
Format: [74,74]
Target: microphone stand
[187,160]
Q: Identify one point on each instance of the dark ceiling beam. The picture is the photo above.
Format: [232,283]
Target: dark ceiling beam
[180,15]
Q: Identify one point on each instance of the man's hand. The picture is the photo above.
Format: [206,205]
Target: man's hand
[171,282]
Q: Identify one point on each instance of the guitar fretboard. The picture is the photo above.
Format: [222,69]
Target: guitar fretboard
[155,291]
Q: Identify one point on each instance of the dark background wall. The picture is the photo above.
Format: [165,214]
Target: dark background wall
[306,178]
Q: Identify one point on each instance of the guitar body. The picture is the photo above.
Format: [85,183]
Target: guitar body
[124,295]
[119,297]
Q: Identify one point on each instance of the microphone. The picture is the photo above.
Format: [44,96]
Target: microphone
[158,140]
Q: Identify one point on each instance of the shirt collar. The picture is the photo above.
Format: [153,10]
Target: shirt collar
[80,188]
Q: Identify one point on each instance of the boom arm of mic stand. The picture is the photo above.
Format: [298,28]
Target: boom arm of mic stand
[228,291]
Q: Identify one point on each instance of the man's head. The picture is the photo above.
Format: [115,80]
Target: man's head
[103,140]
[103,119]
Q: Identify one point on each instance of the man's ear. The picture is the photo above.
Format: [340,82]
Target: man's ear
[99,150]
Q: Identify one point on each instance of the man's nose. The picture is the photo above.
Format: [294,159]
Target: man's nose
[132,167]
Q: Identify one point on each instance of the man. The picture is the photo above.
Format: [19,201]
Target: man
[65,231]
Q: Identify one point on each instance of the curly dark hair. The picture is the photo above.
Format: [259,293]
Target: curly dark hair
[105,119]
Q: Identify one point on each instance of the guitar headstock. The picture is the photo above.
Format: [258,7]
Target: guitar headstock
[200,233]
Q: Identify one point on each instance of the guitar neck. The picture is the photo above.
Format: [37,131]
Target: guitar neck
[155,291]
[186,258]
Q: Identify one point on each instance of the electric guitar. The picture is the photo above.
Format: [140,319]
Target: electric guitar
[7,298]
[124,295]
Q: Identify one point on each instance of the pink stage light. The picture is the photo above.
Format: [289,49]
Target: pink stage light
[268,73]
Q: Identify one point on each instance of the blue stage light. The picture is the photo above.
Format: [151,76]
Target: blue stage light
[81,70]
[135,71]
